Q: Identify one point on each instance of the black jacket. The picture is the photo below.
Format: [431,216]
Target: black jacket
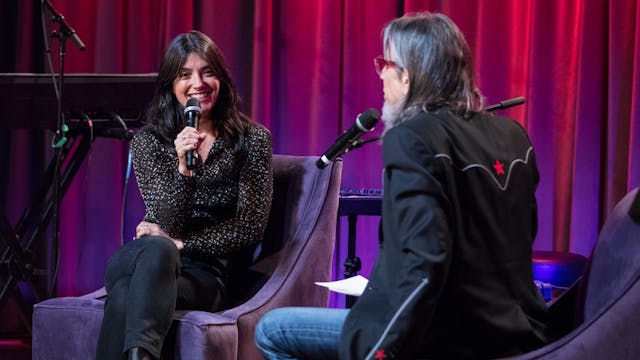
[453,278]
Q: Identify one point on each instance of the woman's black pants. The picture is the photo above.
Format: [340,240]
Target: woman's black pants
[146,280]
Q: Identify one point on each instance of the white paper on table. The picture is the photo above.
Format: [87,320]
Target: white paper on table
[353,286]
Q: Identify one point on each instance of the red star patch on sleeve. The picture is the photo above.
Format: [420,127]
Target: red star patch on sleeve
[499,168]
[380,354]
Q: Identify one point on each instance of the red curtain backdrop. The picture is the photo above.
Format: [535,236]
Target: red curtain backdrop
[304,70]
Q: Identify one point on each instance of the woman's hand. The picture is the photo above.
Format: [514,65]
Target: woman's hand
[188,139]
[146,228]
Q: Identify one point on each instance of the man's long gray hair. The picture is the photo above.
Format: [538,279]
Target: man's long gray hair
[438,61]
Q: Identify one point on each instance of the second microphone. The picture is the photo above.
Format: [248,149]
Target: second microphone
[364,123]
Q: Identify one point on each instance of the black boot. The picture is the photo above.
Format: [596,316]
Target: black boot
[138,353]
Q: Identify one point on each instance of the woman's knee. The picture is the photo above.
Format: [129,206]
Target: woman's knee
[159,247]
[147,251]
[158,258]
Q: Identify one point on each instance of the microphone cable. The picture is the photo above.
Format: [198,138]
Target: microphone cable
[56,256]
[47,49]
[127,175]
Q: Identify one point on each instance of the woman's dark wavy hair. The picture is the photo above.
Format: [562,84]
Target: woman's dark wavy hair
[165,114]
[438,61]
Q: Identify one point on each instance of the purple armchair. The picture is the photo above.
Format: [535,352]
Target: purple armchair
[600,313]
[296,251]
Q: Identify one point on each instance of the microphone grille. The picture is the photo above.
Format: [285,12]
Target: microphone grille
[193,102]
[369,118]
[192,105]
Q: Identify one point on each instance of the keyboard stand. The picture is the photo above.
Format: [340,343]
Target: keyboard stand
[29,100]
[17,263]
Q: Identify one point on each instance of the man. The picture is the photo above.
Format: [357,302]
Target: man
[453,278]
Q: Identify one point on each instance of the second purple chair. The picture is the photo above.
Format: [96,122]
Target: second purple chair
[601,311]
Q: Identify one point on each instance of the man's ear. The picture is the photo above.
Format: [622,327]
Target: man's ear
[404,79]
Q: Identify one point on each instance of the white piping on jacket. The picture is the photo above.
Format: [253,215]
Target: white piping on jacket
[413,294]
[506,184]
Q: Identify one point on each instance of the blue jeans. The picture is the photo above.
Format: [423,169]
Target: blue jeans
[300,333]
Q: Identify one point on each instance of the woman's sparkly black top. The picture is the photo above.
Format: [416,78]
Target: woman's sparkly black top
[223,208]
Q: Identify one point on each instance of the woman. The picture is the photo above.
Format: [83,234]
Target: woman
[195,220]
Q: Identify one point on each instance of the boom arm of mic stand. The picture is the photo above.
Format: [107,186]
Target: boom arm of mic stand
[505,104]
[65,29]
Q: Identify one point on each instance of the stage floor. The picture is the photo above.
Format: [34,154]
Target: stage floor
[14,349]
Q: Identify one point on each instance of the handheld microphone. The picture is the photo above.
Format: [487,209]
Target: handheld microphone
[192,114]
[365,122]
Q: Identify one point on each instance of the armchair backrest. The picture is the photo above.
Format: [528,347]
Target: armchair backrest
[297,248]
[300,190]
[614,264]
[607,321]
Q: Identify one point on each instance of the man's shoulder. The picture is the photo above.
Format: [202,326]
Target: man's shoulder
[422,125]
[503,121]
[446,123]
[425,120]
[431,129]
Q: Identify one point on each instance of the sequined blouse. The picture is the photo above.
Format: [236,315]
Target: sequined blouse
[223,208]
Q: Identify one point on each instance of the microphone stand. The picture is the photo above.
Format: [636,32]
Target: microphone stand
[359,142]
[59,139]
